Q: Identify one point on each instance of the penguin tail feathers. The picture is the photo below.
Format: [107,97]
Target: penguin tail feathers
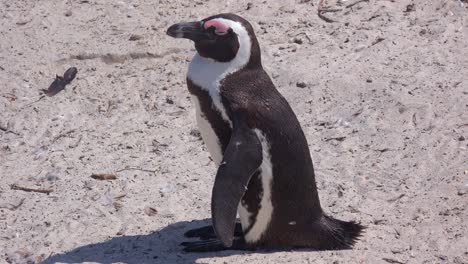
[336,234]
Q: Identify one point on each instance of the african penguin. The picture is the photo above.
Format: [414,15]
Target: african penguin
[265,169]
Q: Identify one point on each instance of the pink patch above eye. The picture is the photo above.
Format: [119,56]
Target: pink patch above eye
[220,28]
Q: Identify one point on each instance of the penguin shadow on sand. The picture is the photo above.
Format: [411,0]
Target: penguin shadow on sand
[161,246]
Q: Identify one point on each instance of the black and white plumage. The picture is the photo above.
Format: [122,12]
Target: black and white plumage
[265,172]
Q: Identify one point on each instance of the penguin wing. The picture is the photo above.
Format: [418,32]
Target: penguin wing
[243,156]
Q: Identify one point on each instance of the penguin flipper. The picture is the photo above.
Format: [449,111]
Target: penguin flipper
[243,156]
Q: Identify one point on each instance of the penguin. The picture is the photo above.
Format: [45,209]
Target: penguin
[265,172]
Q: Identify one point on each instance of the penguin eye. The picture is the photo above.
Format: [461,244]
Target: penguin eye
[211,30]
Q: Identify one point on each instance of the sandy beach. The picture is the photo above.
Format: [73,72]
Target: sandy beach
[381,93]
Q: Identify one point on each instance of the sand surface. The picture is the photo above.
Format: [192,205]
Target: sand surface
[383,101]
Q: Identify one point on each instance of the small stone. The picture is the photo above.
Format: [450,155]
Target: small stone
[301,84]
[462,190]
[445,212]
[195,133]
[23,21]
[461,138]
[410,8]
[51,177]
[150,211]
[368,80]
[169,101]
[397,250]
[135,37]
[68,13]
[298,40]
[360,47]
[117,205]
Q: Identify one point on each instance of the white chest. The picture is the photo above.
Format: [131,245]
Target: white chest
[209,136]
[207,74]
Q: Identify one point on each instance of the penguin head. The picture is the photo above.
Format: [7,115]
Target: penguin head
[222,38]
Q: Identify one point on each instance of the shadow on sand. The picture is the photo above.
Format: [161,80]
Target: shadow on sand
[159,247]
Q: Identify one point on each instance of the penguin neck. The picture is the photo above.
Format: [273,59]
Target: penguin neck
[208,73]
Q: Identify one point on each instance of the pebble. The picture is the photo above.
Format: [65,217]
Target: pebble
[195,132]
[23,21]
[298,40]
[410,8]
[462,190]
[150,211]
[169,101]
[301,84]
[135,37]
[51,177]
[360,47]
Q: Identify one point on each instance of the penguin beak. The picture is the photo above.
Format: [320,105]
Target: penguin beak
[189,30]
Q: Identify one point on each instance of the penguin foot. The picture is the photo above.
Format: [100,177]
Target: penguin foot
[211,245]
[207,232]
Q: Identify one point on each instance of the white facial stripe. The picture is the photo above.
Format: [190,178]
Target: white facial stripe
[208,73]
[265,212]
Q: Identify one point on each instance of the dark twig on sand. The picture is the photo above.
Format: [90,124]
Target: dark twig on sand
[371,18]
[26,189]
[378,40]
[355,3]
[33,102]
[63,135]
[103,176]
[4,129]
[13,207]
[390,260]
[340,139]
[321,10]
[135,168]
[396,198]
